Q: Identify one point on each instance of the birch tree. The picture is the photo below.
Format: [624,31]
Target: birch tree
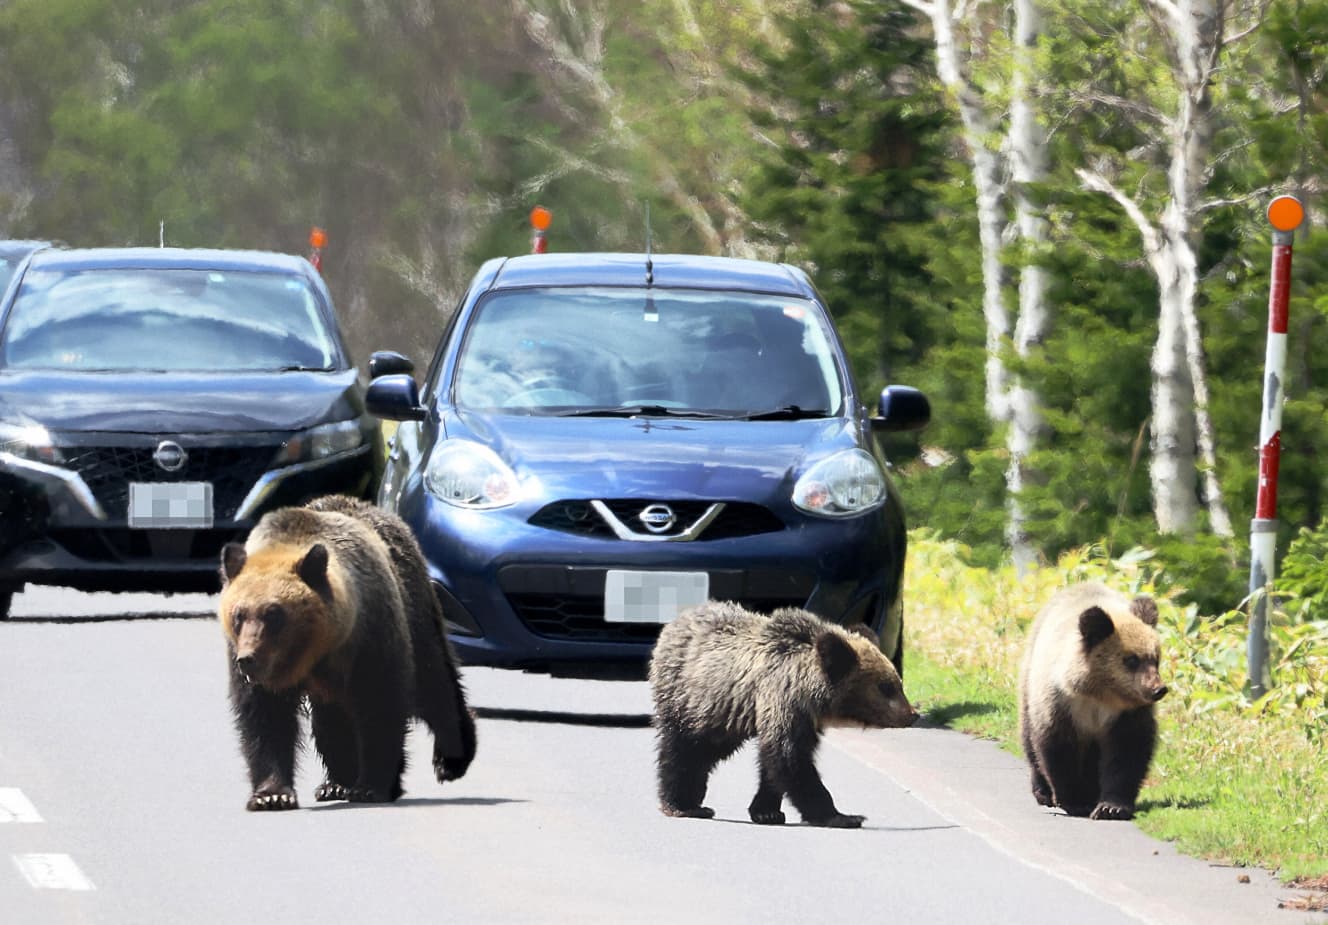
[1008,153]
[1162,188]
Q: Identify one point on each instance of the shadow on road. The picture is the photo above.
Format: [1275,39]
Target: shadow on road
[419,801]
[942,717]
[563,717]
[115,617]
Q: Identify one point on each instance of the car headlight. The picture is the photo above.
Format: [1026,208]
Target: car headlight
[320,442]
[29,441]
[847,483]
[470,475]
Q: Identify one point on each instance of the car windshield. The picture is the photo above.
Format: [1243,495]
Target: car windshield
[168,319]
[650,351]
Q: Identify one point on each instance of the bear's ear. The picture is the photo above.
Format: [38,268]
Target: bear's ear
[232,560]
[837,657]
[312,570]
[1094,626]
[865,631]
[1145,608]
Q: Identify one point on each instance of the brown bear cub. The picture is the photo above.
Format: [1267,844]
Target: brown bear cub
[721,675]
[1087,687]
[331,602]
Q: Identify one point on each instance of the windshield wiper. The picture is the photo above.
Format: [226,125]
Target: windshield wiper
[638,411]
[300,368]
[787,413]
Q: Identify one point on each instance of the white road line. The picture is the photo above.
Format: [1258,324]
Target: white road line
[52,872]
[15,807]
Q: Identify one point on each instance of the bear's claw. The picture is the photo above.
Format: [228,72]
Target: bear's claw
[328,791]
[768,817]
[694,812]
[1112,810]
[267,802]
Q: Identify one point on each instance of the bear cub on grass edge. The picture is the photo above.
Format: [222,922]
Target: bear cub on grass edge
[1087,686]
[721,675]
[331,601]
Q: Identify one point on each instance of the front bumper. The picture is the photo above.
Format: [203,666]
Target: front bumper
[522,596]
[68,527]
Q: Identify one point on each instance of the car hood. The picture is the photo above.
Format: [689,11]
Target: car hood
[178,403]
[635,457]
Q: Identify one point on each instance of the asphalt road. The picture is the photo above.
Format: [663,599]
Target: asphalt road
[122,801]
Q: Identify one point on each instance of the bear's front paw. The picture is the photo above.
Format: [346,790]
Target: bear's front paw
[1043,797]
[328,791]
[1111,809]
[839,821]
[693,812]
[767,817]
[272,800]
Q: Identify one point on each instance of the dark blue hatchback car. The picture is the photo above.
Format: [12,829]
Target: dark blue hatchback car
[604,439]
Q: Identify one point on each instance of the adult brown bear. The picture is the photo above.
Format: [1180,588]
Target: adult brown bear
[1087,687]
[721,675]
[331,602]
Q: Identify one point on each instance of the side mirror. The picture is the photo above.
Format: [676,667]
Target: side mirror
[901,408]
[395,397]
[387,363]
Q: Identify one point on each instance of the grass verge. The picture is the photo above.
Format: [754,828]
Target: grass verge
[1234,781]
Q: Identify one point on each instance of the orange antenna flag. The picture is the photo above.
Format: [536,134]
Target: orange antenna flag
[317,237]
[540,218]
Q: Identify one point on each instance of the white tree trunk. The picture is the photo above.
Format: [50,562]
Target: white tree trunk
[979,127]
[1028,161]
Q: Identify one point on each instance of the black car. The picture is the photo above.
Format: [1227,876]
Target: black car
[155,402]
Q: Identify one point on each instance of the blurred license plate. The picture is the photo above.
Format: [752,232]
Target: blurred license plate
[652,597]
[178,505]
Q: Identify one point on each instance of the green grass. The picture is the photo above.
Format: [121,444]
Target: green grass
[1233,781]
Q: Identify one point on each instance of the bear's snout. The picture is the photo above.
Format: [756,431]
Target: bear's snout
[1158,692]
[245,664]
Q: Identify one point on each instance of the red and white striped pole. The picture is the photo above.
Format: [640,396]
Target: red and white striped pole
[1285,213]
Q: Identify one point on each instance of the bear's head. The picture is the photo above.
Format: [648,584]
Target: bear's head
[276,610]
[1122,652]
[865,688]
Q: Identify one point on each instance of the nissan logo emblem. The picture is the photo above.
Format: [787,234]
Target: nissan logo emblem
[657,518]
[170,456]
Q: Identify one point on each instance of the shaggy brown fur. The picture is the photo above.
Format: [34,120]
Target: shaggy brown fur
[323,602]
[1087,687]
[721,675]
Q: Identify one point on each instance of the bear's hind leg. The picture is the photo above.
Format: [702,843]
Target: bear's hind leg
[334,736]
[441,703]
[268,725]
[685,763]
[1041,786]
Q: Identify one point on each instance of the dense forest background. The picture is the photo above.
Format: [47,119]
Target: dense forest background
[1048,216]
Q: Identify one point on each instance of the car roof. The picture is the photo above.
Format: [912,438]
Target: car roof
[687,271]
[187,258]
[13,246]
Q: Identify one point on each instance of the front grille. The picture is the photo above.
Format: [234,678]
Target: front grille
[581,617]
[108,470]
[738,518]
[122,544]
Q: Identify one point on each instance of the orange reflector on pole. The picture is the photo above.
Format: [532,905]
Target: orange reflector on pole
[317,239]
[1285,213]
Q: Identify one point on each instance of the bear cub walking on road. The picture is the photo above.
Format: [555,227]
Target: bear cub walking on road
[1087,687]
[721,675]
[331,601]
